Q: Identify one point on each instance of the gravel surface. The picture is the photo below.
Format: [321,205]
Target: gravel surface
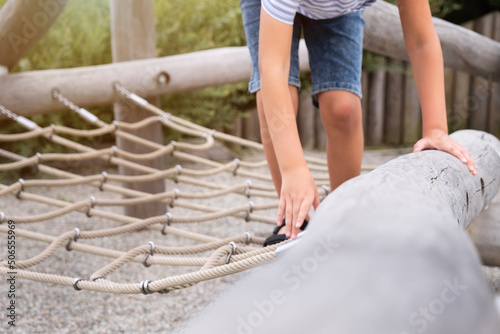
[43,308]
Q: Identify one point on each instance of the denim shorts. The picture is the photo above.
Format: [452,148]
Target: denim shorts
[335,48]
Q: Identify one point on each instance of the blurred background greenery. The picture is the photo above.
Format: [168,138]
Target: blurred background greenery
[81,37]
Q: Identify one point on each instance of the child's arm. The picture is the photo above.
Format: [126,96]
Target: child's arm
[424,50]
[298,190]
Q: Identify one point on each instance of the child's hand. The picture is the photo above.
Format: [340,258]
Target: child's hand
[298,193]
[439,140]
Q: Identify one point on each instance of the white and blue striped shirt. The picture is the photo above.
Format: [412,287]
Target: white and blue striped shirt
[284,10]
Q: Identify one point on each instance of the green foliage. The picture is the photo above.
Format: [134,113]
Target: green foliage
[81,37]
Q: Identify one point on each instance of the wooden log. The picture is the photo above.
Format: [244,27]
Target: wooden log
[481,86]
[394,102]
[376,100]
[494,120]
[236,130]
[30,93]
[133,37]
[462,49]
[22,24]
[459,110]
[385,252]
[485,232]
[365,86]
[305,120]
[412,116]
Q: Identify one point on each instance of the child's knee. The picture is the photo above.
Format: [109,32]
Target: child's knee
[340,111]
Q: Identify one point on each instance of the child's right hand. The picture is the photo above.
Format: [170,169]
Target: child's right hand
[298,193]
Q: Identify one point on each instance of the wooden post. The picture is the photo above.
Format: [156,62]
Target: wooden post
[394,102]
[412,118]
[133,37]
[481,92]
[494,120]
[22,24]
[381,252]
[485,232]
[365,85]
[376,100]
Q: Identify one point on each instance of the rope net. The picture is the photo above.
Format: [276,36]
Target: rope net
[204,253]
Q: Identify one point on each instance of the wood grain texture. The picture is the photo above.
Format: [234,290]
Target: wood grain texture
[381,252]
[22,24]
[133,37]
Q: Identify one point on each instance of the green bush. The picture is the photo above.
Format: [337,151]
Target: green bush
[81,37]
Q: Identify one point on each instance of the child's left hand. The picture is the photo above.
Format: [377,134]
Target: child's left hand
[439,140]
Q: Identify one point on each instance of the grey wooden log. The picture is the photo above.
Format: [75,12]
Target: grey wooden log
[481,87]
[394,102]
[133,37]
[412,116]
[376,100]
[485,232]
[385,252]
[30,93]
[494,120]
[22,24]
[462,49]
[365,106]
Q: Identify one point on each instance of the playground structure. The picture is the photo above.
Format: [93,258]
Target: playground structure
[31,93]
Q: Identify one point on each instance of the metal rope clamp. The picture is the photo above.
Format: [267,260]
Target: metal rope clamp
[75,283]
[233,251]
[39,160]
[144,287]
[174,145]
[104,180]
[169,215]
[2,217]
[176,196]
[18,195]
[75,239]
[165,117]
[115,153]
[249,238]
[151,253]
[248,188]
[96,277]
[250,210]
[209,133]
[92,204]
[179,170]
[237,162]
[53,128]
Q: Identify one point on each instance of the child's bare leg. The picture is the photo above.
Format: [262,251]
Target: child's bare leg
[341,116]
[266,139]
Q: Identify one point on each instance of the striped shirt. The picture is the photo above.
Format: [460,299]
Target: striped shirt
[284,10]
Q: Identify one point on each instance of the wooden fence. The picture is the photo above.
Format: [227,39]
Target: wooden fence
[391,108]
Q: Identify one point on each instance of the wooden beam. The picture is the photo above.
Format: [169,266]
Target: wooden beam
[463,49]
[29,93]
[22,24]
[384,253]
[485,232]
[133,38]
